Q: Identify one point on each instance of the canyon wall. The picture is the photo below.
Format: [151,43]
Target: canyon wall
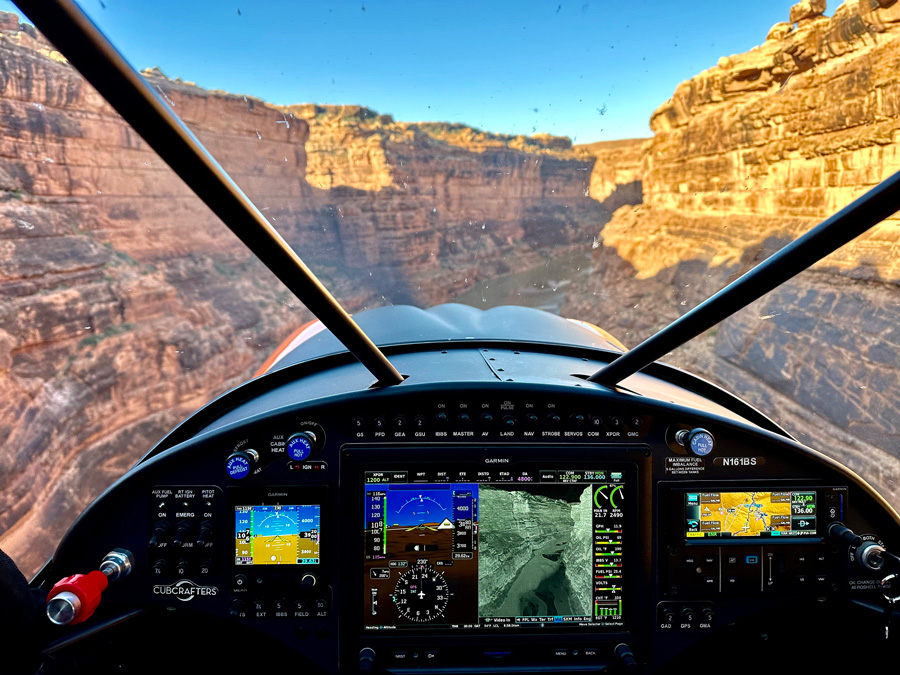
[125,304]
[745,157]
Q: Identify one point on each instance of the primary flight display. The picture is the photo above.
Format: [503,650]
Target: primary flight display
[474,547]
[276,534]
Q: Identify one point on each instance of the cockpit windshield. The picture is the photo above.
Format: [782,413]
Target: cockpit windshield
[611,162]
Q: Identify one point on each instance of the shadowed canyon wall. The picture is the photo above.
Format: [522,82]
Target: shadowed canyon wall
[745,157]
[125,304]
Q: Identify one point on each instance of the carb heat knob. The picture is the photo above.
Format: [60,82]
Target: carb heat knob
[241,462]
[699,442]
[299,446]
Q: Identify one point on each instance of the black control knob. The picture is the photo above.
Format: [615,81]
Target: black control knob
[241,463]
[668,615]
[205,534]
[307,583]
[699,442]
[707,614]
[238,607]
[626,657]
[870,555]
[160,567]
[843,535]
[688,615]
[615,422]
[419,422]
[160,533]
[366,660]
[183,568]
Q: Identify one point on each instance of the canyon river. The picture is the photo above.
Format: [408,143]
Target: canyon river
[543,287]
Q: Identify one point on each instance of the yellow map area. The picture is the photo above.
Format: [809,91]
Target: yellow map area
[745,514]
[280,549]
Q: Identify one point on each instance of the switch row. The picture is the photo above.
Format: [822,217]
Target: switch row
[497,420]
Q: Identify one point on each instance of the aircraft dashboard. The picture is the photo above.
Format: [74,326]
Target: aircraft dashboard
[479,527]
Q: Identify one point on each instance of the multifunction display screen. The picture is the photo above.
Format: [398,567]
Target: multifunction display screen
[496,548]
[276,535]
[722,515]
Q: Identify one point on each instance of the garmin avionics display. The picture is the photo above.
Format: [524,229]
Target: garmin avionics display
[495,548]
[724,515]
[276,535]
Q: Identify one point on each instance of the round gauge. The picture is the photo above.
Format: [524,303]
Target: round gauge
[421,594]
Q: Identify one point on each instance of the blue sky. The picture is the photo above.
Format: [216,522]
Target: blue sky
[590,69]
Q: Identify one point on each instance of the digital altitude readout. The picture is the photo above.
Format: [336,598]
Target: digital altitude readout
[750,514]
[499,548]
[276,535]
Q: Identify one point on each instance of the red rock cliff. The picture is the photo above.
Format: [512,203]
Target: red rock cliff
[125,305]
[746,156]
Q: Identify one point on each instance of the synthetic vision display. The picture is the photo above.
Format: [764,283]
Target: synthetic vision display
[276,535]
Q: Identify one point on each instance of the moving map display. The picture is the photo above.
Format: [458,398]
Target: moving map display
[494,549]
[750,514]
[276,535]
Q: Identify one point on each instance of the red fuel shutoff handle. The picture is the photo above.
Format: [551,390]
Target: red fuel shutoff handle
[88,588]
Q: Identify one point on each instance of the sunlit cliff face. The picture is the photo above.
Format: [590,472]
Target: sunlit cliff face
[125,305]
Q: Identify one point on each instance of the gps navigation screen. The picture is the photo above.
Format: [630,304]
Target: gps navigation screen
[495,549]
[750,514]
[276,535]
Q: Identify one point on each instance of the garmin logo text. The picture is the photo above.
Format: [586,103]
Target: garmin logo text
[185,590]
[496,460]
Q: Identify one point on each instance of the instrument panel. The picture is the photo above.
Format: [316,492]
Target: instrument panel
[516,526]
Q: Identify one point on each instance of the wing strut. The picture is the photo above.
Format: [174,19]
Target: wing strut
[82,43]
[828,236]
